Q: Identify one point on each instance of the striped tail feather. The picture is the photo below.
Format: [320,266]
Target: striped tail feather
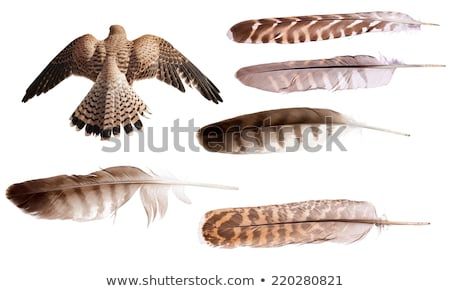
[320,27]
[110,104]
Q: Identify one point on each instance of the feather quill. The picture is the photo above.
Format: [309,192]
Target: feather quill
[320,27]
[273,131]
[339,73]
[341,221]
[97,195]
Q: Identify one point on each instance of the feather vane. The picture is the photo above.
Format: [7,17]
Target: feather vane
[339,73]
[276,130]
[97,195]
[320,27]
[316,221]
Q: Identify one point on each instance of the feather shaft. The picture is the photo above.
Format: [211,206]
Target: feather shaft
[140,182]
[378,222]
[396,66]
[362,125]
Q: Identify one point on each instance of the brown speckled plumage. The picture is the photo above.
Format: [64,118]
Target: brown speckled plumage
[113,64]
[305,222]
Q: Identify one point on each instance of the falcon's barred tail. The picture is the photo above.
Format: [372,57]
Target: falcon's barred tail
[110,104]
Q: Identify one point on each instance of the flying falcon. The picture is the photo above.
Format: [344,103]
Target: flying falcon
[113,64]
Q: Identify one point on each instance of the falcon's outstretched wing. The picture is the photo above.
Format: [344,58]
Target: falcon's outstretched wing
[82,57]
[153,56]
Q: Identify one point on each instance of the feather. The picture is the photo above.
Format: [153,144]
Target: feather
[339,73]
[97,195]
[320,27]
[341,221]
[273,131]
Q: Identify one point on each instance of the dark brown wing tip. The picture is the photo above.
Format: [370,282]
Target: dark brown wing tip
[210,91]
[217,99]
[195,78]
[26,98]
[30,93]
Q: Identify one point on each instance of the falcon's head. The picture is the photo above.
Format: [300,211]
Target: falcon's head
[116,29]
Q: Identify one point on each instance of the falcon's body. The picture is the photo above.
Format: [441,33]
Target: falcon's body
[113,64]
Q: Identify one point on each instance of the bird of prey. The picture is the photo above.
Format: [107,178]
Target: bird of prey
[113,64]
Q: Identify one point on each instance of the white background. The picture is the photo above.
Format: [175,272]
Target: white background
[406,178]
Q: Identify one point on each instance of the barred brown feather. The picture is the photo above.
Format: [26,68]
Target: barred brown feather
[319,27]
[272,130]
[316,221]
[339,73]
[97,195]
